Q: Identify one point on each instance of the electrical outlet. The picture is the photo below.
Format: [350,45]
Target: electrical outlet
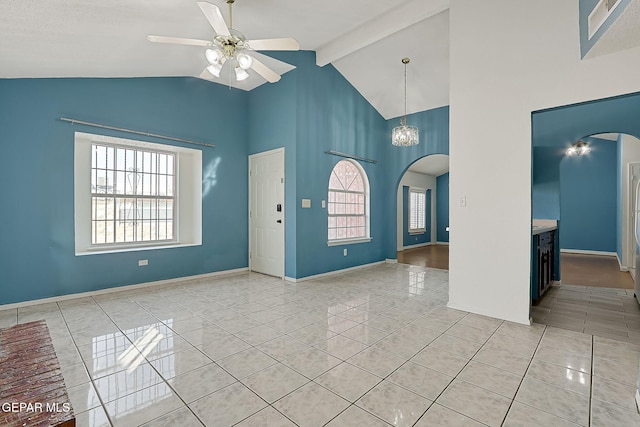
[345,252]
[143,262]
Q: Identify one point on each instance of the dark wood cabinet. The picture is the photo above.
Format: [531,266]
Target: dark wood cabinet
[543,263]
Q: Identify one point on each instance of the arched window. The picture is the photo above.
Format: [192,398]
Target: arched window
[348,207]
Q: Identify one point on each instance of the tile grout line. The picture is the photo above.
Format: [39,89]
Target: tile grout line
[524,375]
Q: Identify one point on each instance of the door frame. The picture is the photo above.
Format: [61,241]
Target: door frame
[251,157]
[631,238]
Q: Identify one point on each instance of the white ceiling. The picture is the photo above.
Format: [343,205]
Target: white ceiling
[365,40]
[435,165]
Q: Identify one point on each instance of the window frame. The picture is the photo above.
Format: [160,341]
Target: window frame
[367,197]
[137,196]
[420,192]
[187,190]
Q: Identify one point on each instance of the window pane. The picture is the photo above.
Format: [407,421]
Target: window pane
[133,172]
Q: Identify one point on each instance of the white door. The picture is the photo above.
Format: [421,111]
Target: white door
[266,212]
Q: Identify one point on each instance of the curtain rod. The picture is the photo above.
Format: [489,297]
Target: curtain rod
[350,156]
[98,125]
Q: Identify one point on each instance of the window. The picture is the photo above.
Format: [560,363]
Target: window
[417,210]
[348,206]
[133,195]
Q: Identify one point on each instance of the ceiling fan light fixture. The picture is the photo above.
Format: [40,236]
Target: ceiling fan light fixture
[241,74]
[403,135]
[580,148]
[214,56]
[215,69]
[244,61]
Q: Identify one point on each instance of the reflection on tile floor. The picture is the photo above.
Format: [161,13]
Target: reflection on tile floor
[372,347]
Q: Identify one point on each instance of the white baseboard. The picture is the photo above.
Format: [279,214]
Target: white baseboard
[120,288]
[442,243]
[622,267]
[581,252]
[331,273]
[391,261]
[419,245]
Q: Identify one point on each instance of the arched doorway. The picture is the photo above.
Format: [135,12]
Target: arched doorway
[422,205]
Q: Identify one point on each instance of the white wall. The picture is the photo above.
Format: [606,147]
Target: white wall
[419,180]
[630,154]
[509,58]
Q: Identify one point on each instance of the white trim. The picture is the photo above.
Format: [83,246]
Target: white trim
[418,245]
[622,267]
[638,400]
[136,249]
[580,251]
[331,273]
[348,241]
[121,288]
[442,243]
[391,261]
[187,203]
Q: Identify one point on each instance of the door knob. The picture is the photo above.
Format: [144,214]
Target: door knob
[279,221]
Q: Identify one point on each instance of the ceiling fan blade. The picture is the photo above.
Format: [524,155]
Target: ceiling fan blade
[214,16]
[179,40]
[274,44]
[266,72]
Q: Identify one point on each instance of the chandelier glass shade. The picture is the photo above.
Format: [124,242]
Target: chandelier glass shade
[404,135]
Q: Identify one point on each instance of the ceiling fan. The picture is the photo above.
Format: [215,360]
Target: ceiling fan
[230,45]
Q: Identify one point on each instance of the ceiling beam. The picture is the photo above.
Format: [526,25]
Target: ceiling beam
[378,28]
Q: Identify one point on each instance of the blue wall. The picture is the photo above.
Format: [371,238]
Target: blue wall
[311,110]
[442,207]
[37,255]
[585,8]
[409,239]
[332,115]
[434,139]
[553,130]
[546,182]
[588,198]
[272,124]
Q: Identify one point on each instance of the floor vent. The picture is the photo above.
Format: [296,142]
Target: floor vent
[600,13]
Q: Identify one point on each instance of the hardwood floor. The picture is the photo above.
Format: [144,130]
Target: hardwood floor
[576,269]
[434,256]
[593,270]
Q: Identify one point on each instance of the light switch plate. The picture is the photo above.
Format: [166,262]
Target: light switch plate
[306,203]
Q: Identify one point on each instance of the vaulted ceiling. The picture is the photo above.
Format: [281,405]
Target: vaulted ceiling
[365,40]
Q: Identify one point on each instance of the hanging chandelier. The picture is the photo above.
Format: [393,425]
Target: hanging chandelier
[403,135]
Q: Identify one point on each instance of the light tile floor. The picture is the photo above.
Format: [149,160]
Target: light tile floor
[374,347]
